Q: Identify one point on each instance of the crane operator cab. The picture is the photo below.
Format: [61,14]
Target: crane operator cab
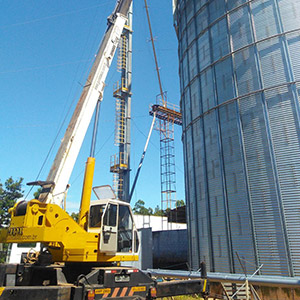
[113,219]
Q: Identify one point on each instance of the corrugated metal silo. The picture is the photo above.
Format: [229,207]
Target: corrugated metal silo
[240,87]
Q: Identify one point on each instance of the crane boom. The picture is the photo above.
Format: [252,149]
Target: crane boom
[66,156]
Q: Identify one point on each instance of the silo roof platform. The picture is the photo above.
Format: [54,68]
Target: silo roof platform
[166,114]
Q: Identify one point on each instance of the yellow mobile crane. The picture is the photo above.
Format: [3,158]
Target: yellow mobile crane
[79,260]
[94,237]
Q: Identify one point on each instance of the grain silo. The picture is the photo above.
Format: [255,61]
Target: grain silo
[240,86]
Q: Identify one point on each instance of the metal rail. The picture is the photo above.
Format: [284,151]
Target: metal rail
[276,281]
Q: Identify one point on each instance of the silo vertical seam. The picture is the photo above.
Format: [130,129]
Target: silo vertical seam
[238,120]
[256,55]
[194,171]
[208,206]
[286,54]
[268,128]
[221,158]
[224,181]
[246,174]
[186,189]
[188,211]
[201,121]
[182,103]
[192,149]
[214,94]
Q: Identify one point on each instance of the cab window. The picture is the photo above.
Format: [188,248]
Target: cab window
[96,212]
[110,217]
[125,228]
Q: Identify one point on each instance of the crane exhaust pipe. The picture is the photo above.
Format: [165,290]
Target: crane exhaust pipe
[86,192]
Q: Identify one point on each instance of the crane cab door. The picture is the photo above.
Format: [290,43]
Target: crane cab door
[109,229]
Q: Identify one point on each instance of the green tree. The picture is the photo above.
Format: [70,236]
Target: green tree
[37,193]
[158,212]
[10,192]
[140,209]
[180,203]
[75,216]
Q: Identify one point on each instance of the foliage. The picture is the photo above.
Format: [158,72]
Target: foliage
[3,253]
[180,203]
[158,212]
[37,193]
[9,194]
[140,209]
[75,216]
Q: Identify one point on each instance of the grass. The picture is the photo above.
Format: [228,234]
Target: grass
[182,298]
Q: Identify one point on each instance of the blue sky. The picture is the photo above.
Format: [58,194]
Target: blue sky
[47,48]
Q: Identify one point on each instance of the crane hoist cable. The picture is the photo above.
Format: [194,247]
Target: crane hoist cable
[155,56]
[62,123]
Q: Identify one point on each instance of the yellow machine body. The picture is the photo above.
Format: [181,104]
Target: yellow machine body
[86,192]
[66,240]
[105,231]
